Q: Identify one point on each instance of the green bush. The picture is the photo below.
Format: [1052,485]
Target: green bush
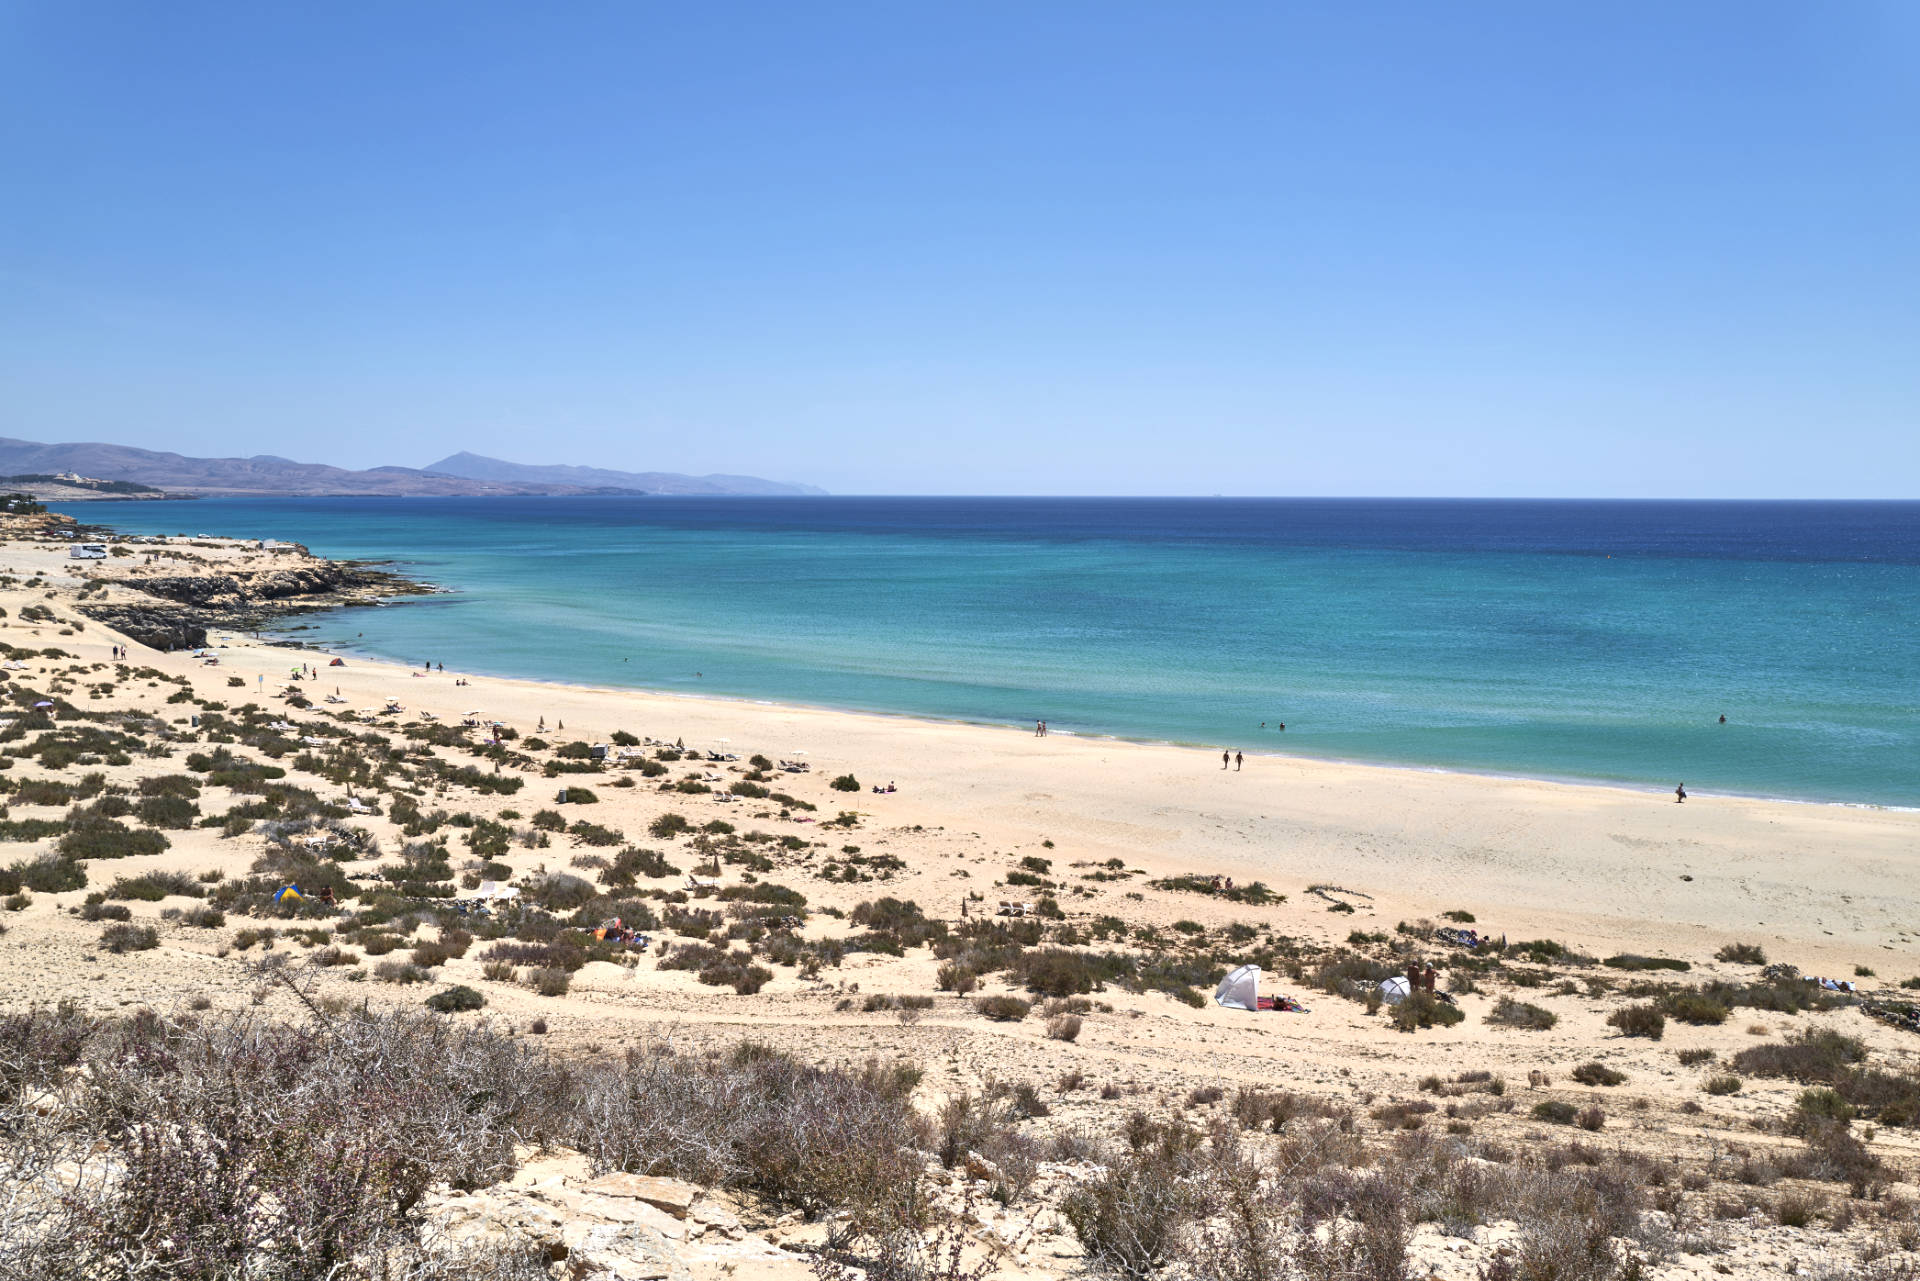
[49,875]
[1508,1012]
[1817,1055]
[668,826]
[1001,1008]
[455,999]
[549,981]
[1423,1009]
[151,887]
[121,937]
[631,864]
[1598,1074]
[167,811]
[1821,1105]
[1692,1007]
[1555,1112]
[1058,972]
[107,838]
[845,783]
[1639,1020]
[1722,1084]
[576,796]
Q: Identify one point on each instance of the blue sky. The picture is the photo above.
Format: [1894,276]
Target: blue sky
[1482,249]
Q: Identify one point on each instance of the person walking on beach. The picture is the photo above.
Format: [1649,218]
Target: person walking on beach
[1225,757]
[1236,762]
[1680,794]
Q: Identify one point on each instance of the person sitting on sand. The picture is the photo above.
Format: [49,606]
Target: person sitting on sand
[891,787]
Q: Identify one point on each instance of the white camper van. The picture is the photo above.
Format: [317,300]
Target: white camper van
[87,551]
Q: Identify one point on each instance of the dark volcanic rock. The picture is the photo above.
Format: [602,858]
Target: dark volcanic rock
[157,627]
[244,601]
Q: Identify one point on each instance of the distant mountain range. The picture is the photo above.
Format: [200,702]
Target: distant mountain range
[264,474]
[475,467]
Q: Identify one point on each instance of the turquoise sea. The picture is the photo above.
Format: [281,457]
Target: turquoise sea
[1589,640]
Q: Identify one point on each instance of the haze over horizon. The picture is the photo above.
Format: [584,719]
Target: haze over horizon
[1085,249]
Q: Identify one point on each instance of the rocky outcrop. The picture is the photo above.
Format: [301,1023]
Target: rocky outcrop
[617,1227]
[157,627]
[185,606]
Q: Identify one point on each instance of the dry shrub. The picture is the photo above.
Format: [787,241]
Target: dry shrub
[1507,1012]
[549,982]
[1063,1027]
[1424,1009]
[1639,1020]
[122,937]
[1131,1218]
[291,1151]
[1257,1109]
[1002,1008]
[1597,1074]
[814,1139]
[955,978]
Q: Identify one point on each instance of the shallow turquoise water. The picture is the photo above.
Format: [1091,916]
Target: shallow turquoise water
[1580,640]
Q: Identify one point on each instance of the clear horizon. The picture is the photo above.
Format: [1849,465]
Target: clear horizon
[1085,250]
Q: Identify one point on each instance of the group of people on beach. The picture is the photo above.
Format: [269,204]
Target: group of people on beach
[1231,758]
[615,931]
[1421,978]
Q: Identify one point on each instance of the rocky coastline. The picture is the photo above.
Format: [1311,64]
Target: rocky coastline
[183,607]
[168,593]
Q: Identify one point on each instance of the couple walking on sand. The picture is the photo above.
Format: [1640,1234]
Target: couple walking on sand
[1231,758]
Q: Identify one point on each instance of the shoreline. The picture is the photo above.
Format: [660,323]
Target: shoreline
[1579,861]
[1092,736]
[1507,760]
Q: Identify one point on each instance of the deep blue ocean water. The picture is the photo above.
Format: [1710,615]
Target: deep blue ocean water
[1591,640]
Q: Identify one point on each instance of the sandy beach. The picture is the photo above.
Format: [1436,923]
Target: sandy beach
[1354,851]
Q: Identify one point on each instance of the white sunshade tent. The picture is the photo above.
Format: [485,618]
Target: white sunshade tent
[1395,990]
[1240,990]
